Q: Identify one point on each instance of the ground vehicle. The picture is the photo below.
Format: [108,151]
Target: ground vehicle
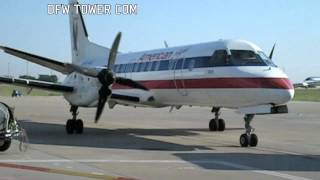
[9,127]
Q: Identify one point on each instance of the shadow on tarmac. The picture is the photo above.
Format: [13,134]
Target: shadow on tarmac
[253,161]
[54,134]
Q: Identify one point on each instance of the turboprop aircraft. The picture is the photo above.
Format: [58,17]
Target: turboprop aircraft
[232,74]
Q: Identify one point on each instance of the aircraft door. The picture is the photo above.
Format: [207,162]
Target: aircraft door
[178,78]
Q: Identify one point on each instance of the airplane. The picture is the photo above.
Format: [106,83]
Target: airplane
[233,74]
[310,82]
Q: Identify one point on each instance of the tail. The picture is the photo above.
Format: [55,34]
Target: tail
[84,52]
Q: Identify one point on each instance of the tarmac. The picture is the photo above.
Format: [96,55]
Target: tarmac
[154,144]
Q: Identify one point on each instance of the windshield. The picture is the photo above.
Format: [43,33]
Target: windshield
[265,58]
[246,58]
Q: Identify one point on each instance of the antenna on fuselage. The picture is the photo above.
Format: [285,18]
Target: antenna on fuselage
[165,44]
[271,53]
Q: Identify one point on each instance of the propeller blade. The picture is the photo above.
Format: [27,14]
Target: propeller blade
[104,93]
[106,78]
[114,51]
[271,53]
[130,83]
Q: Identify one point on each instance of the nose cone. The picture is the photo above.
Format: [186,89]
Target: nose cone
[290,94]
[285,94]
[285,86]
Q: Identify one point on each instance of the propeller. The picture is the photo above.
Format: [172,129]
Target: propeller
[271,53]
[106,77]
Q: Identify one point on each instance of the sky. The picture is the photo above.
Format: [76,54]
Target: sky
[293,25]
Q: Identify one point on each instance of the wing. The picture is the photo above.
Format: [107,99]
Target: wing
[64,68]
[36,84]
[46,62]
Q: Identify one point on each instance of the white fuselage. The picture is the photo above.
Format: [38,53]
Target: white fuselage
[186,81]
[311,82]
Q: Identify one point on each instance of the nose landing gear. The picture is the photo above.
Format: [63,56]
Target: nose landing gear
[74,124]
[248,138]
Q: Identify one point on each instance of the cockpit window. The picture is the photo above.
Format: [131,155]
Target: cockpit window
[220,58]
[266,59]
[246,58]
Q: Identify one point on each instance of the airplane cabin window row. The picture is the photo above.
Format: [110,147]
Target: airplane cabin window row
[219,58]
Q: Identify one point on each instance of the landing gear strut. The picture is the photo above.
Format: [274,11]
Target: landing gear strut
[217,124]
[74,124]
[249,138]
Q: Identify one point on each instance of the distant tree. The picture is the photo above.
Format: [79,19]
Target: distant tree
[48,78]
[27,77]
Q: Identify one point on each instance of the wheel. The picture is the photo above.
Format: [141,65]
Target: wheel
[213,125]
[5,146]
[253,140]
[222,125]
[244,140]
[78,126]
[70,126]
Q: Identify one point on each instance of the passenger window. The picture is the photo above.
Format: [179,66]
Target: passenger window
[220,58]
[129,68]
[172,63]
[188,64]
[142,67]
[201,62]
[123,68]
[136,67]
[120,68]
[155,65]
[179,64]
[164,65]
[149,66]
[191,64]
[114,69]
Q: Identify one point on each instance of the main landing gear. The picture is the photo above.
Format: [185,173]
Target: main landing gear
[74,124]
[248,138]
[217,124]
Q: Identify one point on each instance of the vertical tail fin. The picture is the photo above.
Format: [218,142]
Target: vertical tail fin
[83,51]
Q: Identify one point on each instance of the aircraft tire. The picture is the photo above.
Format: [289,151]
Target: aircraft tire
[213,125]
[70,126]
[244,140]
[222,125]
[78,126]
[5,146]
[253,140]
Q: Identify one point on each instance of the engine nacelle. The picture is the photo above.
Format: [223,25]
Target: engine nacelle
[85,90]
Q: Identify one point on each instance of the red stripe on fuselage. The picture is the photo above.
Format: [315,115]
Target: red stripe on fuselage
[269,83]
